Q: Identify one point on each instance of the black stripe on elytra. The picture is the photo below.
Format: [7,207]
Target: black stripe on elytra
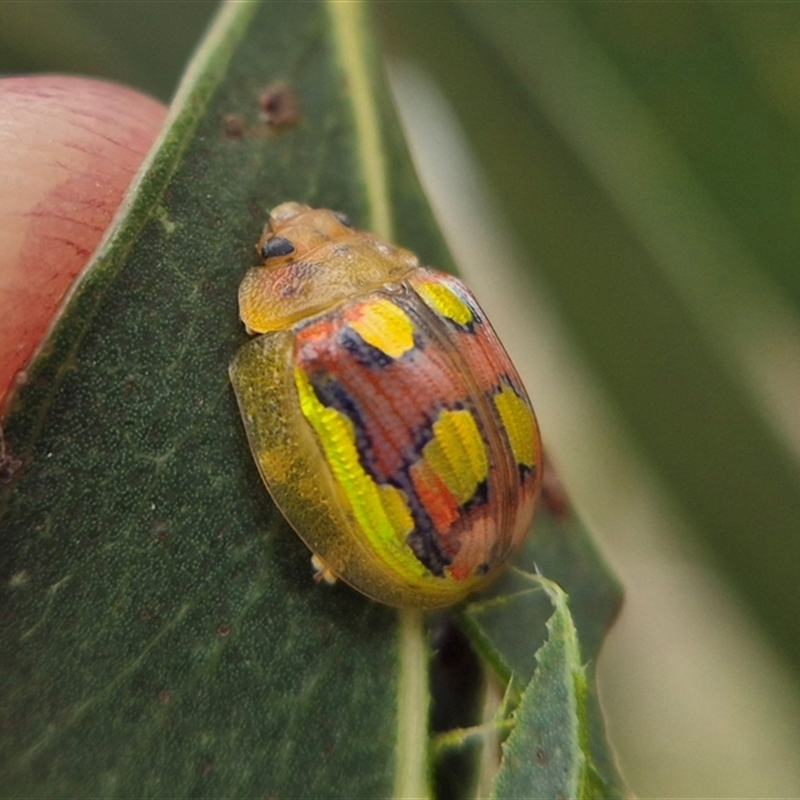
[525,472]
[366,354]
[332,394]
[423,543]
[423,539]
[468,327]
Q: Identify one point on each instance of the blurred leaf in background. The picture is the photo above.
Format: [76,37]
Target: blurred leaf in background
[144,43]
[644,159]
[602,199]
[629,236]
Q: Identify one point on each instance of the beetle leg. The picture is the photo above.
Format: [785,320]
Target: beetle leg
[322,572]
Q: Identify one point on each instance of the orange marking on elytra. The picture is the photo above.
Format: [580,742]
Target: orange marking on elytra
[459,572]
[437,500]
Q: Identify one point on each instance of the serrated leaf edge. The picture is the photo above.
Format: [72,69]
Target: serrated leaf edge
[560,625]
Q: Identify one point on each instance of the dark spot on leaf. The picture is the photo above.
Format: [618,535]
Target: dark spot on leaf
[160,531]
[163,697]
[279,106]
[223,629]
[541,756]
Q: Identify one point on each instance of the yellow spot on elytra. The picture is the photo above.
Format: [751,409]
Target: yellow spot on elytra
[457,453]
[518,423]
[383,325]
[445,302]
[381,511]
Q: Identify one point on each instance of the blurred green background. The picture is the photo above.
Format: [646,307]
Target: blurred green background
[621,184]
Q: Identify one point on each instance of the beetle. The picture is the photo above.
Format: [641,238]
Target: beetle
[384,415]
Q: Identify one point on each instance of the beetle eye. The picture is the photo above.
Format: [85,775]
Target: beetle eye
[343,218]
[276,246]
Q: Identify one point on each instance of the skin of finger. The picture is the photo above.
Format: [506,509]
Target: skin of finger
[69,148]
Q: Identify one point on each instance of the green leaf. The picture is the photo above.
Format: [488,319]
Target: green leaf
[548,753]
[161,634]
[511,626]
